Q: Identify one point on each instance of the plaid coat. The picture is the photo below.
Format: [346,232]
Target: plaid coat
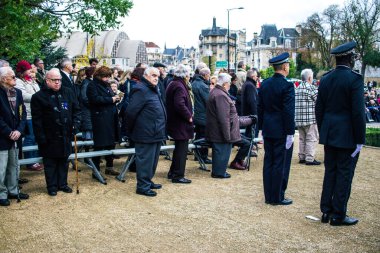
[306,96]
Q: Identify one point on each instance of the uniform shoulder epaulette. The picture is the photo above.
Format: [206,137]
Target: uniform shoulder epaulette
[357,73]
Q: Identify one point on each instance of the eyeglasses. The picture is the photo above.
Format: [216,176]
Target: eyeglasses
[12,77]
[55,80]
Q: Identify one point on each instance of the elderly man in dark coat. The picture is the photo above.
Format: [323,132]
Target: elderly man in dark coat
[104,116]
[222,126]
[146,121]
[249,97]
[201,91]
[56,117]
[180,121]
[12,125]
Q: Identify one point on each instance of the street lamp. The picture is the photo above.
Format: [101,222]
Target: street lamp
[228,35]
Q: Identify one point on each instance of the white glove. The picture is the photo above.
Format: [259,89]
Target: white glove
[357,150]
[289,141]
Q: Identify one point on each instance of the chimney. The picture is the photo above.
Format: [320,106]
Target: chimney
[255,35]
[214,23]
[299,29]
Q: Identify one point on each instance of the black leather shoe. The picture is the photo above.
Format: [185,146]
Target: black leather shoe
[207,161]
[284,202]
[148,193]
[52,193]
[302,161]
[23,180]
[347,221]
[226,175]
[21,195]
[4,202]
[325,218]
[315,162]
[155,186]
[181,181]
[66,189]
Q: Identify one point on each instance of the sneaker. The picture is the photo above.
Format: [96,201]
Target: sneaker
[35,167]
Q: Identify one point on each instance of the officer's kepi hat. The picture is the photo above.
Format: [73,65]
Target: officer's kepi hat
[344,49]
[280,59]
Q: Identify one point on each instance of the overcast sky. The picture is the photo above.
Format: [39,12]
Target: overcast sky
[180,22]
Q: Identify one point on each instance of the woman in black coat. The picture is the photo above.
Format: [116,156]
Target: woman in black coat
[104,116]
[180,121]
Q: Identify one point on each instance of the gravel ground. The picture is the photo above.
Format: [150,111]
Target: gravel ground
[209,215]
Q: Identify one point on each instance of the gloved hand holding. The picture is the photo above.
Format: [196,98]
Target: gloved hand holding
[289,141]
[357,150]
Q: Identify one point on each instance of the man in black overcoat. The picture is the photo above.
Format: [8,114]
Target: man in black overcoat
[341,123]
[56,117]
[276,112]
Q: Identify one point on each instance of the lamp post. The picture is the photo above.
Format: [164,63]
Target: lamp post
[228,35]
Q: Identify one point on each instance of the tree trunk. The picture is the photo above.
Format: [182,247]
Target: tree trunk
[364,65]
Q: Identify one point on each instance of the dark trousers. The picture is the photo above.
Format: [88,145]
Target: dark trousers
[243,145]
[108,158]
[147,155]
[55,172]
[339,172]
[177,168]
[287,164]
[220,155]
[274,169]
[200,132]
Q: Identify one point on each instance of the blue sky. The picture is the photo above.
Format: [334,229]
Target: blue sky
[180,22]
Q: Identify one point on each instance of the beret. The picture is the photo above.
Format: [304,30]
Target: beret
[22,66]
[159,64]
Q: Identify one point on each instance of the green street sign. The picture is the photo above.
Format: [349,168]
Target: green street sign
[221,64]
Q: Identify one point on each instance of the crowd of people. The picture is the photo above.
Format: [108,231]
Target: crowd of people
[148,105]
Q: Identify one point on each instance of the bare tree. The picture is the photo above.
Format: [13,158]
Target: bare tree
[322,31]
[361,22]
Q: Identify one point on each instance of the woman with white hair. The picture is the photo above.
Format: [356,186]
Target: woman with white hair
[222,125]
[180,121]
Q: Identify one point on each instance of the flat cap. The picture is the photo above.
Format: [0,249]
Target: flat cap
[159,64]
[344,49]
[280,59]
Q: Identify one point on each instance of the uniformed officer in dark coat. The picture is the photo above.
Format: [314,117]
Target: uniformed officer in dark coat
[56,117]
[341,124]
[276,109]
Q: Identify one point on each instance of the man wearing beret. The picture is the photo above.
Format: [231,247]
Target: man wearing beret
[161,86]
[341,124]
[276,109]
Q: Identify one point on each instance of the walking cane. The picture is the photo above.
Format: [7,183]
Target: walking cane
[76,162]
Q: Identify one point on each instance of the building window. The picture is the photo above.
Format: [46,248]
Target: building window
[220,46]
[122,36]
[273,43]
[113,61]
[288,43]
[220,56]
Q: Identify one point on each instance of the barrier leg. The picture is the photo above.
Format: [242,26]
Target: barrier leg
[202,164]
[96,173]
[124,170]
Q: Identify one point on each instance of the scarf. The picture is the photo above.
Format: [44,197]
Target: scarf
[11,93]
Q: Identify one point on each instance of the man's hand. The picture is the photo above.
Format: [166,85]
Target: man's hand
[357,150]
[115,99]
[289,141]
[15,135]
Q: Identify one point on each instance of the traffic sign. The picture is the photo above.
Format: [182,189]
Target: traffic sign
[221,64]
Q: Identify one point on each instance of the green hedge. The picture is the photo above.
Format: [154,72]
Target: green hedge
[372,137]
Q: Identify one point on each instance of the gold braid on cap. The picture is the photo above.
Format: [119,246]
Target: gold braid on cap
[345,53]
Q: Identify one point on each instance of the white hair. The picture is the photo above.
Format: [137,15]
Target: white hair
[65,62]
[52,71]
[223,78]
[200,66]
[182,71]
[4,71]
[306,73]
[149,70]
[205,71]
[4,63]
